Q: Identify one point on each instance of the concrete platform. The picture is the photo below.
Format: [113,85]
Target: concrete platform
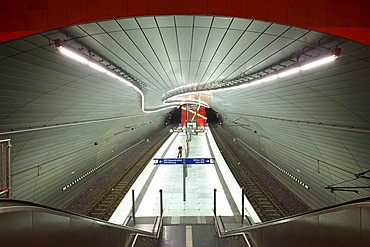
[201,181]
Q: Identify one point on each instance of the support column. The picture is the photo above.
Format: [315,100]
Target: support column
[133,207]
[242,206]
[184,178]
[214,201]
[161,202]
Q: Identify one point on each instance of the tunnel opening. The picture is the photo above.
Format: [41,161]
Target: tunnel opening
[173,117]
[213,116]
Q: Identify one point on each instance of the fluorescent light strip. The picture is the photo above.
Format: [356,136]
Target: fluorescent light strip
[175,101]
[318,63]
[69,52]
[185,86]
[289,72]
[319,60]
[269,78]
[73,55]
[182,101]
[97,67]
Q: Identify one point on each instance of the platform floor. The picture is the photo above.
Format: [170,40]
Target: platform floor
[200,184]
[201,181]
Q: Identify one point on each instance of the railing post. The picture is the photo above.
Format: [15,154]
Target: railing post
[161,202]
[133,206]
[184,178]
[214,201]
[242,206]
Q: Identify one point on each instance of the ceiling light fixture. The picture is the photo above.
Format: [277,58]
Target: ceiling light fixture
[97,67]
[324,58]
[318,63]
[176,96]
[289,72]
[84,59]
[182,101]
[72,54]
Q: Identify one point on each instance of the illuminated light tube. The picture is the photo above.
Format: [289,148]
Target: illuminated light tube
[325,57]
[186,100]
[321,59]
[255,82]
[318,63]
[181,99]
[186,86]
[124,81]
[289,72]
[73,55]
[97,67]
[112,75]
[269,78]
[86,60]
[191,93]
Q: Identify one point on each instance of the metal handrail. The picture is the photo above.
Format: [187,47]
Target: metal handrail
[227,235]
[217,226]
[150,234]
[155,223]
[222,223]
[244,230]
[13,205]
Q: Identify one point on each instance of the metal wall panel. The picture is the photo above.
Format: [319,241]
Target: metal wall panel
[341,226]
[26,224]
[344,227]
[48,229]
[296,118]
[14,223]
[82,232]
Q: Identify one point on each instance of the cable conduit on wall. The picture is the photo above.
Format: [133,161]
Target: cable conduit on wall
[322,125]
[302,153]
[65,155]
[53,126]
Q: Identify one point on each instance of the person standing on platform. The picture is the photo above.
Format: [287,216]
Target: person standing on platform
[179,154]
[187,148]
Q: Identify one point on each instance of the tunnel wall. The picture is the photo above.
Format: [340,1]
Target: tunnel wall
[46,161]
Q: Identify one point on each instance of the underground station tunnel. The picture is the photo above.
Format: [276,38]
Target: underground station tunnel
[185,123]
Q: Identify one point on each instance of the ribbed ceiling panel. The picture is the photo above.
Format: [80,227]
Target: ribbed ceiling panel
[314,124]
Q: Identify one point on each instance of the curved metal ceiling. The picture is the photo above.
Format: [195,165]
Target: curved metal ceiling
[169,52]
[323,113]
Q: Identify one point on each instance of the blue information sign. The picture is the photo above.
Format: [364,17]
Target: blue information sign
[199,161]
[165,161]
[179,161]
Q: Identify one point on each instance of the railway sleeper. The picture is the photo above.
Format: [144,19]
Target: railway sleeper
[257,192]
[272,212]
[264,200]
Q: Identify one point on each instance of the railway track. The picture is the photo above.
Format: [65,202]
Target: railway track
[104,207]
[262,202]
